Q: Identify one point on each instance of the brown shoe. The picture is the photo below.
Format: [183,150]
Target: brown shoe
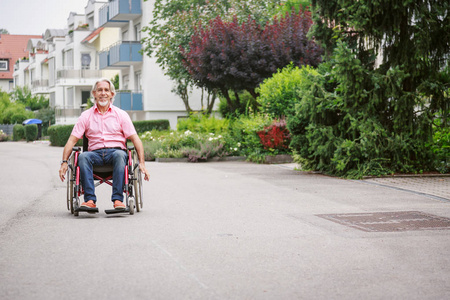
[119,205]
[89,204]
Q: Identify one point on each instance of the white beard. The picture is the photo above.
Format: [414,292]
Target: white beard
[103,103]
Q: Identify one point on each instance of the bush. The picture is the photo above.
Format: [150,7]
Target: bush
[245,105]
[278,94]
[18,132]
[3,136]
[441,146]
[175,144]
[59,134]
[275,137]
[243,132]
[31,132]
[149,125]
[203,124]
[356,129]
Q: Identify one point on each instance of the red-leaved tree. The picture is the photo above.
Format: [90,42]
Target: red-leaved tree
[232,56]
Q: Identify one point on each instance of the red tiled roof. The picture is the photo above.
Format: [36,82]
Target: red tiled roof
[13,47]
[92,35]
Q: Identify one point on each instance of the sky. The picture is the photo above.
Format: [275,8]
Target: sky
[36,16]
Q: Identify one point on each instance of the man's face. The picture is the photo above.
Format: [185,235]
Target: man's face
[103,94]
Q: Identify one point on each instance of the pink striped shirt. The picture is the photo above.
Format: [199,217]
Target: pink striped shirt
[104,131]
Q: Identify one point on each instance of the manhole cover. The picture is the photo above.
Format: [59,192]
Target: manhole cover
[390,221]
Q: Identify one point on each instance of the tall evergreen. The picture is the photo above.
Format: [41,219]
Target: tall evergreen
[385,81]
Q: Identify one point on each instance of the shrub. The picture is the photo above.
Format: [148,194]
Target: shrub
[356,129]
[278,94]
[3,136]
[245,105]
[244,131]
[150,148]
[18,132]
[148,125]
[59,134]
[169,153]
[441,146]
[203,124]
[276,136]
[31,132]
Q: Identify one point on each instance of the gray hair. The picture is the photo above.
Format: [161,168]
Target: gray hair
[111,88]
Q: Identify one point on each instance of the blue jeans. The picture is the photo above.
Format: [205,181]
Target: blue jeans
[115,157]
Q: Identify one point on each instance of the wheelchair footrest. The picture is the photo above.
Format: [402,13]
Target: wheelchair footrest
[87,209]
[117,211]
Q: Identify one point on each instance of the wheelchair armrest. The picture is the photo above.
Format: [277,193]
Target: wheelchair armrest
[77,149]
[131,148]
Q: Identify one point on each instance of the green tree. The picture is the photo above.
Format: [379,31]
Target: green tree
[12,112]
[413,35]
[363,117]
[174,23]
[23,95]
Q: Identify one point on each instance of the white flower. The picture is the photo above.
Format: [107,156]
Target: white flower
[235,149]
[238,144]
[187,132]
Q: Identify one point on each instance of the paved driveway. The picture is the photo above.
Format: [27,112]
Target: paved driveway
[222,230]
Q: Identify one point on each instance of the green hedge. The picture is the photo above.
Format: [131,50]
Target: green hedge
[18,132]
[59,134]
[31,132]
[149,125]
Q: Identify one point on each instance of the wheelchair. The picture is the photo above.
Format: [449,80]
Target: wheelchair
[103,174]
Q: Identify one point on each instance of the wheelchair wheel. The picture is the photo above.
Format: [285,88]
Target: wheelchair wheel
[137,184]
[76,190]
[70,186]
[131,205]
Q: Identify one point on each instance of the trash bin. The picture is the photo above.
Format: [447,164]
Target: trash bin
[38,123]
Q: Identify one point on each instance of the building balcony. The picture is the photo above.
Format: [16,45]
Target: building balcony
[40,86]
[69,76]
[121,54]
[39,83]
[117,13]
[128,100]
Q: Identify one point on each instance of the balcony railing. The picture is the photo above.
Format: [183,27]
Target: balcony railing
[76,74]
[39,83]
[118,11]
[128,100]
[121,54]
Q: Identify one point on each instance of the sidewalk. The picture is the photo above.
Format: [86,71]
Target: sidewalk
[437,186]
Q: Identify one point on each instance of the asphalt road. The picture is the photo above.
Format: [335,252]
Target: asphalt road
[220,230]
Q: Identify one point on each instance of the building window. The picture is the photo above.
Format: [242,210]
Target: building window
[138,81]
[52,99]
[137,30]
[4,65]
[85,61]
[125,82]
[125,35]
[70,97]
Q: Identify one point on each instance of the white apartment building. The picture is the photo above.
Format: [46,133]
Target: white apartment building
[102,42]
[145,92]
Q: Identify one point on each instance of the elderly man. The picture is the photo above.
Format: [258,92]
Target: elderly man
[107,128]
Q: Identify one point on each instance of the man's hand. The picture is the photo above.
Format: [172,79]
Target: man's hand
[63,171]
[144,171]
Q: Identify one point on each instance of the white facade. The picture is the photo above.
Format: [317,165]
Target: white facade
[102,42]
[145,76]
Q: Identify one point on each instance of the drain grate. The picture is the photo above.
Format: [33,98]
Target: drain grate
[390,221]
